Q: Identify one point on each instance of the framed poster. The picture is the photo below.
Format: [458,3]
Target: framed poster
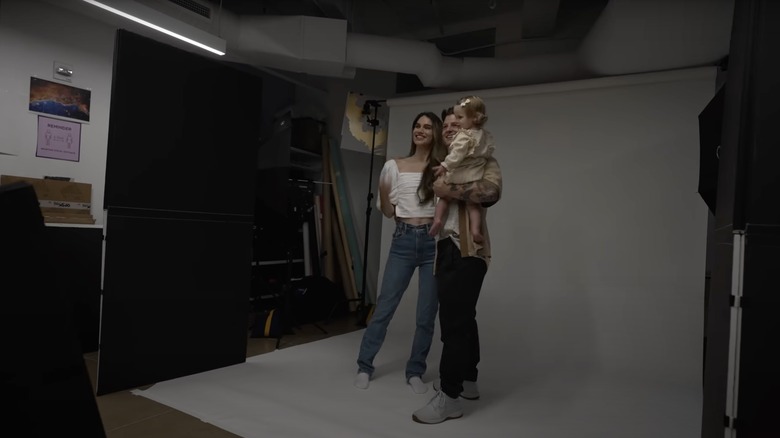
[58,139]
[59,100]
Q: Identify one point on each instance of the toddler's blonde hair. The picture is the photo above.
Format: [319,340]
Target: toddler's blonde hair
[474,107]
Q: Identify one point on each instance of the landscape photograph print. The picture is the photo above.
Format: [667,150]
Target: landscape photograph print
[59,100]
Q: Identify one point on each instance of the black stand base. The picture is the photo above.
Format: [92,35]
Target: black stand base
[364,310]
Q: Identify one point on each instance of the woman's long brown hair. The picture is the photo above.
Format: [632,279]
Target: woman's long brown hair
[437,154]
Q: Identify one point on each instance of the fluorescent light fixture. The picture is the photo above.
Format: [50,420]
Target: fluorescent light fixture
[132,11]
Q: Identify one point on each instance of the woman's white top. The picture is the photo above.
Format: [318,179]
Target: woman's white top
[403,192]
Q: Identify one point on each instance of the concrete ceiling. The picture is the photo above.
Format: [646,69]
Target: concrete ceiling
[460,44]
[458,27]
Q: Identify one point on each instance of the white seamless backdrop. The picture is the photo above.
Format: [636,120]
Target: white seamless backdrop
[599,239]
[592,310]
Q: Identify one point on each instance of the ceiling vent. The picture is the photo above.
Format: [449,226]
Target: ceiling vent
[193,6]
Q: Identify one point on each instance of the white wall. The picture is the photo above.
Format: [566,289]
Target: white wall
[599,240]
[32,36]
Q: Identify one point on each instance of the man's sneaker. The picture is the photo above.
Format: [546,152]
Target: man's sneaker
[470,389]
[441,407]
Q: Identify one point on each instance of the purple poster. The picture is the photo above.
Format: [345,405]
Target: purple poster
[58,139]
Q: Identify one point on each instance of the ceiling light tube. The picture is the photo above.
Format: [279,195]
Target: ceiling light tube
[215,44]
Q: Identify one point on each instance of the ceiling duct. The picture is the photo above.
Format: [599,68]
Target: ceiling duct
[294,43]
[193,6]
[630,36]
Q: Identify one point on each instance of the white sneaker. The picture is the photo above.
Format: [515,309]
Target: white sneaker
[418,386]
[361,380]
[470,389]
[441,408]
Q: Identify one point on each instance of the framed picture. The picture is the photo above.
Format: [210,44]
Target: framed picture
[58,139]
[59,100]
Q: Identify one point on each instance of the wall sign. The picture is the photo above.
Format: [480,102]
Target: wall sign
[58,139]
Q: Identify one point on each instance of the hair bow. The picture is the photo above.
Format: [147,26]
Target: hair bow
[465,102]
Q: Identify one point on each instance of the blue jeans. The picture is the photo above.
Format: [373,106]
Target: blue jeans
[412,248]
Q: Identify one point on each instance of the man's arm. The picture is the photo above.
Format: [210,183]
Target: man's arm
[486,191]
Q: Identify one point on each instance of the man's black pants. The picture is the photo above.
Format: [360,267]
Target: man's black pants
[459,282]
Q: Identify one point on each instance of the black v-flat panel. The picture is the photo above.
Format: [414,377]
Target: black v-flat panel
[176,298]
[748,190]
[184,131]
[180,195]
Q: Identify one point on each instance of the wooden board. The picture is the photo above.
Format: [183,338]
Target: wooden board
[344,213]
[347,280]
[343,222]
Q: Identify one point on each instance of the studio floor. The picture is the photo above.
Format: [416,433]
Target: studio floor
[305,390]
[126,415]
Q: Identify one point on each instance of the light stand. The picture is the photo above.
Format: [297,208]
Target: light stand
[373,122]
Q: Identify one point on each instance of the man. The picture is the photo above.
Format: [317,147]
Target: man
[460,267]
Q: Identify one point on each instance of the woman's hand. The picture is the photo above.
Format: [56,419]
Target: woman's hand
[439,170]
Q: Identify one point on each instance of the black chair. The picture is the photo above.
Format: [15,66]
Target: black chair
[44,381]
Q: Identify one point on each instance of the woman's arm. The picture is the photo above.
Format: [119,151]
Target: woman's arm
[385,186]
[486,191]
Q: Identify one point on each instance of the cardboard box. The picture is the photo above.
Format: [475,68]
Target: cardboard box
[60,201]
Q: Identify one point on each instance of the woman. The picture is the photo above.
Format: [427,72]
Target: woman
[406,194]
